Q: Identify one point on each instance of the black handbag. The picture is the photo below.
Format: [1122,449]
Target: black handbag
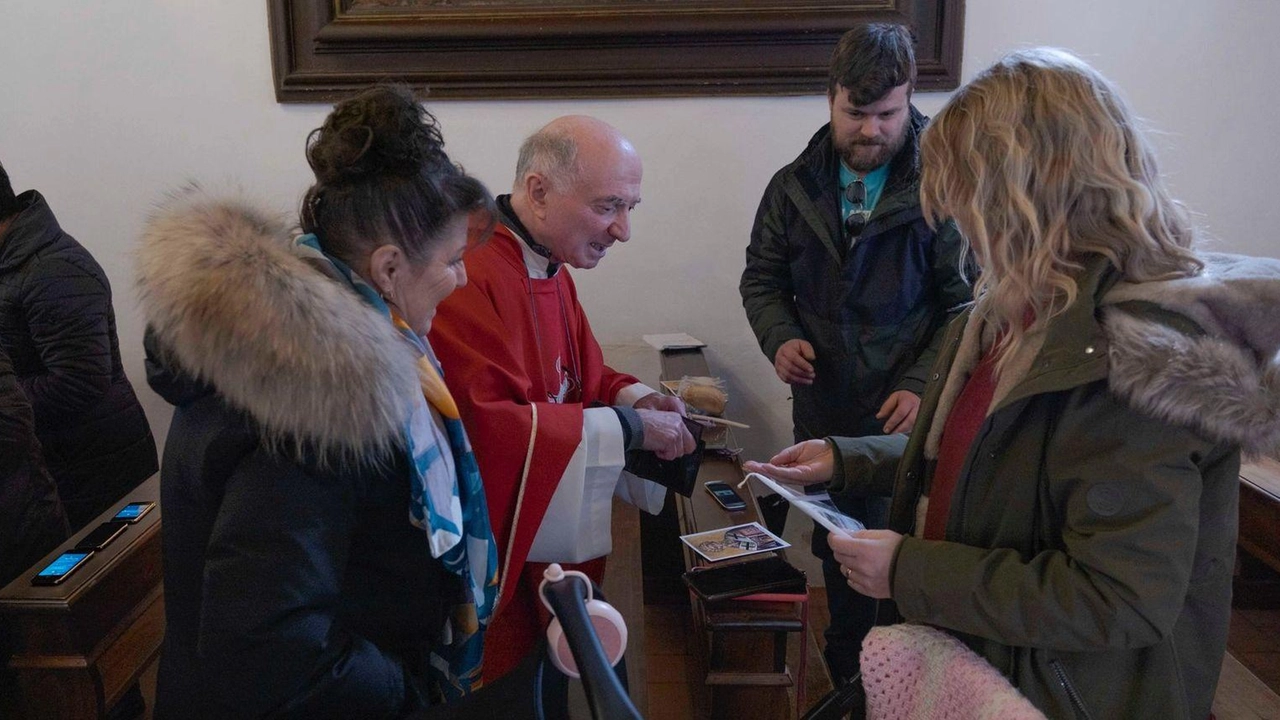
[679,475]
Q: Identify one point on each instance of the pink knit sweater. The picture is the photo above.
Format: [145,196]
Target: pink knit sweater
[915,672]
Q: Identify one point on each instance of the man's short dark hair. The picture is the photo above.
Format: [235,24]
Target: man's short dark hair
[8,201]
[870,60]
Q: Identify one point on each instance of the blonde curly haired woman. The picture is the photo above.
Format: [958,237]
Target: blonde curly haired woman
[1067,505]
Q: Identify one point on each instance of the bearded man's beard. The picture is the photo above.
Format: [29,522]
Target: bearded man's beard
[862,162]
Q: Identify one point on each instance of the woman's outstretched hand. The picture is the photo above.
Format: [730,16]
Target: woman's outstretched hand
[805,463]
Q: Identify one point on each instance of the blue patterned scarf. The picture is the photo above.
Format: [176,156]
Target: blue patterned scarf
[446,500]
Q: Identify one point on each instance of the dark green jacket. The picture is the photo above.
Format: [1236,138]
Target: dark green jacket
[870,310]
[1090,540]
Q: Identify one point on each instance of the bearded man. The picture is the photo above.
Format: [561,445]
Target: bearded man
[847,286]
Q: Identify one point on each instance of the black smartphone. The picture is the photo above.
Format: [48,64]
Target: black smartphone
[728,499]
[133,512]
[769,574]
[62,566]
[102,535]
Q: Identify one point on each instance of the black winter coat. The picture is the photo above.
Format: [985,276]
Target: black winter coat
[58,326]
[31,519]
[290,590]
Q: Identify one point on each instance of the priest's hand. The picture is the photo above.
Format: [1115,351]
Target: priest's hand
[665,434]
[805,463]
[660,401]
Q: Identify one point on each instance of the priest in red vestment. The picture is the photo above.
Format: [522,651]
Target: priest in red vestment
[549,421]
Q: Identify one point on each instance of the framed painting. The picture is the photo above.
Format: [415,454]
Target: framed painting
[322,49]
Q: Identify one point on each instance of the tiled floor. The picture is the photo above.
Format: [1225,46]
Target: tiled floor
[1255,642]
[1254,637]
[675,689]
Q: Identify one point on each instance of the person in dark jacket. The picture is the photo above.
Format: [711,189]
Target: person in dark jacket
[32,521]
[847,287]
[327,550]
[1069,507]
[59,329]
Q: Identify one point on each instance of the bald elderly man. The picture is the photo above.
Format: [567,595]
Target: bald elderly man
[549,421]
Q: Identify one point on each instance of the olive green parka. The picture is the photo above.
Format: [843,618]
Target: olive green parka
[1091,536]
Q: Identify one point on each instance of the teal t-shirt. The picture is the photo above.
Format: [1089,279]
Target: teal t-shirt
[874,181]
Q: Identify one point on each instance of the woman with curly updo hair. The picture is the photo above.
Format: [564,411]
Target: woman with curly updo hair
[327,550]
[1068,505]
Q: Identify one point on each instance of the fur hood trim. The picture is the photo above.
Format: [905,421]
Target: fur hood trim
[230,302]
[1224,382]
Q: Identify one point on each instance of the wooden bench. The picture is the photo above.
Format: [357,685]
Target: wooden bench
[78,646]
[746,638]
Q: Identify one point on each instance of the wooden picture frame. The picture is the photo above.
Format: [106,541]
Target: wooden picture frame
[468,49]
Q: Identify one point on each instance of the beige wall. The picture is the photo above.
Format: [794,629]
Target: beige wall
[104,105]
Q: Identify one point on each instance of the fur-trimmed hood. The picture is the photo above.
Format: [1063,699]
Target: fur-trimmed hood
[1222,377]
[231,305]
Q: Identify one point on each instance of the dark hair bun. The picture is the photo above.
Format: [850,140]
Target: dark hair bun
[380,131]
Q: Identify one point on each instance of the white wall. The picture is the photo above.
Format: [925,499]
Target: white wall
[104,105]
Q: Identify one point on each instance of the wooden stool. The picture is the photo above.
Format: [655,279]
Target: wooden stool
[777,615]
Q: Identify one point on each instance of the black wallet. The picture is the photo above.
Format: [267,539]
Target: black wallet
[722,582]
[680,474]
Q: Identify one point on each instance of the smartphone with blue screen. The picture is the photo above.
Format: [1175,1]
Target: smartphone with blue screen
[62,566]
[133,512]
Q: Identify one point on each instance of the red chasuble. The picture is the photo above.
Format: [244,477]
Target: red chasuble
[507,341]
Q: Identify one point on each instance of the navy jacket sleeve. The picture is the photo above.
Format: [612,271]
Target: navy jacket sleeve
[953,292]
[766,289]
